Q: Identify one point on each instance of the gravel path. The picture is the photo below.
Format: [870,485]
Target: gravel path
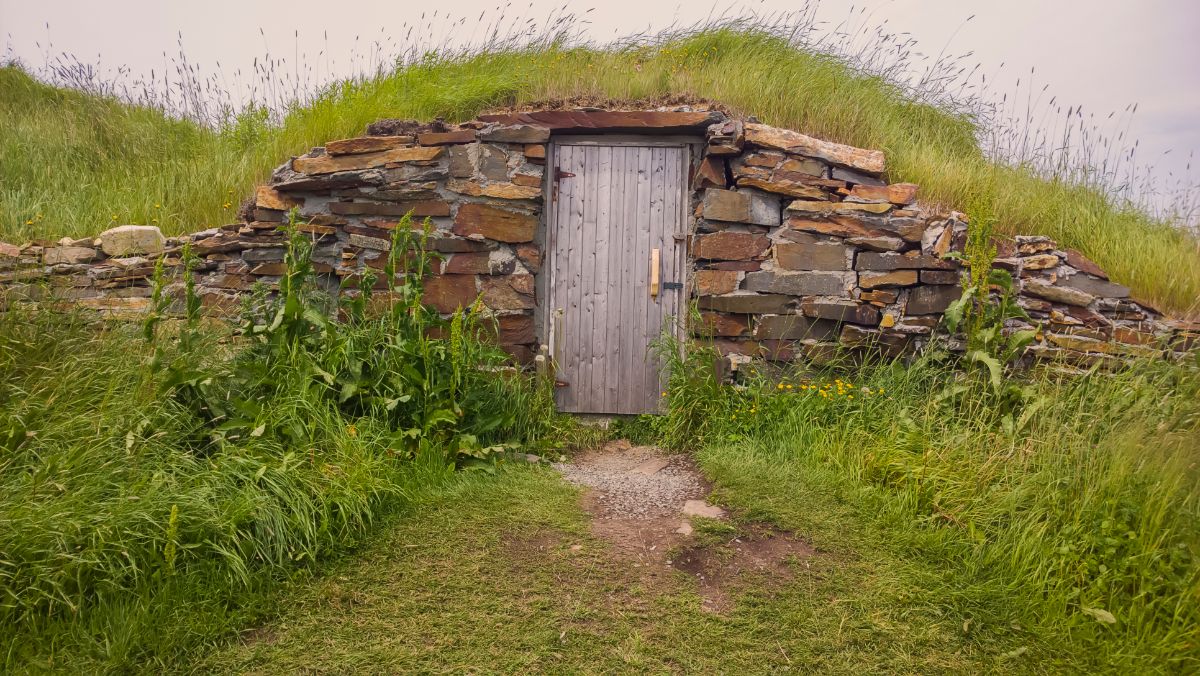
[637,482]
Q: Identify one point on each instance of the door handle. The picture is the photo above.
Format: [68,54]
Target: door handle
[655,264]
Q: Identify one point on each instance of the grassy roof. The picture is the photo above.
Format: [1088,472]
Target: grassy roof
[72,163]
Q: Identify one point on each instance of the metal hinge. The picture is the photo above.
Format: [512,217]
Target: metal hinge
[672,286]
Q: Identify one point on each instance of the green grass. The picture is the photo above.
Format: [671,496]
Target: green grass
[71,163]
[1083,501]
[483,578]
[95,464]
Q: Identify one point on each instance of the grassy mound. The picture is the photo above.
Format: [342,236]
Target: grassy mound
[72,163]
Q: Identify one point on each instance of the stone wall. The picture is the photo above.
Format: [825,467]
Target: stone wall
[799,245]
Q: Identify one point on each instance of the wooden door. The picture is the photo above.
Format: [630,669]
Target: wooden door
[616,211]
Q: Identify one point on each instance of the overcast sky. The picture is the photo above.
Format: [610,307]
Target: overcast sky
[1101,55]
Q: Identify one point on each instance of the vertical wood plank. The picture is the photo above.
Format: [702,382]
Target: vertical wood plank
[604,282]
[629,262]
[574,289]
[654,308]
[634,394]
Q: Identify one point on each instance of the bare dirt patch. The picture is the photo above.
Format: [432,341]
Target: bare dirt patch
[754,554]
[644,502]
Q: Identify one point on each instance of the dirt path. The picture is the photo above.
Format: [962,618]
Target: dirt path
[653,508]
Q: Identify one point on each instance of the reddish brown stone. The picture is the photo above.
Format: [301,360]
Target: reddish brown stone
[778,350]
[730,246]
[889,343]
[1133,337]
[781,186]
[709,174]
[835,228]
[869,161]
[841,311]
[327,164]
[527,180]
[239,282]
[802,256]
[516,329]
[879,297]
[748,348]
[446,137]
[726,325]
[366,144]
[269,269]
[469,264]
[939,277]
[524,134]
[1084,264]
[1027,245]
[794,327]
[741,207]
[764,158]
[869,280]
[870,260]
[508,191]
[530,256]
[447,293]
[495,223]
[1056,294]
[714,282]
[806,169]
[748,303]
[807,283]
[928,300]
[270,198]
[1040,262]
[896,193]
[535,151]
[510,292]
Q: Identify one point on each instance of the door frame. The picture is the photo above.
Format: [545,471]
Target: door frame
[693,145]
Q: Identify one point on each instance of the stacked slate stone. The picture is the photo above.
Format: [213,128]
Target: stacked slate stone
[802,246]
[480,186]
[798,246]
[1085,318]
[109,274]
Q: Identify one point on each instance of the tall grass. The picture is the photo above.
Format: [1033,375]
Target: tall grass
[1078,522]
[72,163]
[154,491]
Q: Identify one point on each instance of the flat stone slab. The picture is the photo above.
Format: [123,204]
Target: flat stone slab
[702,508]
